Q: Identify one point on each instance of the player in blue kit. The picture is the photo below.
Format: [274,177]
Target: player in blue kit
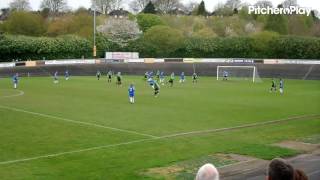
[55,77]
[131,91]
[182,78]
[15,80]
[67,75]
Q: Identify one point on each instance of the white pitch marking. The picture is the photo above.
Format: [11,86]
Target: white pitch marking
[21,93]
[157,138]
[240,127]
[71,152]
[76,122]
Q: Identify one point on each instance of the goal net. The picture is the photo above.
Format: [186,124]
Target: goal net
[238,73]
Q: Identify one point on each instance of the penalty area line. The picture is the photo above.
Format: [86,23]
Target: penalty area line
[192,133]
[21,93]
[76,122]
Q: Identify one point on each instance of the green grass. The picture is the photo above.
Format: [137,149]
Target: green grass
[189,107]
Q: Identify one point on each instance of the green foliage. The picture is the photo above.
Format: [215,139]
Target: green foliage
[23,47]
[79,24]
[277,23]
[292,47]
[204,33]
[300,25]
[262,41]
[233,47]
[24,23]
[104,44]
[164,40]
[146,21]
[202,9]
[149,9]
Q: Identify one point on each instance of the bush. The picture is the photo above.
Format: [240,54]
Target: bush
[24,48]
[231,47]
[24,23]
[291,47]
[163,39]
[146,21]
[261,45]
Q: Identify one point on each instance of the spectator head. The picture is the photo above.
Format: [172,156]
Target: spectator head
[207,172]
[300,175]
[280,170]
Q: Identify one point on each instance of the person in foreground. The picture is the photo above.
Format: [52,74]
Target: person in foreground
[300,175]
[207,172]
[279,169]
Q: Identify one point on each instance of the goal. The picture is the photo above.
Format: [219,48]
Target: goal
[238,72]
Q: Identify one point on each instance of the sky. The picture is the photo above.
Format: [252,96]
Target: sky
[210,4]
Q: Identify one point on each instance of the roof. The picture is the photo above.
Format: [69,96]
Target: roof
[119,12]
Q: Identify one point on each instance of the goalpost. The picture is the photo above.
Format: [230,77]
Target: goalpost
[238,72]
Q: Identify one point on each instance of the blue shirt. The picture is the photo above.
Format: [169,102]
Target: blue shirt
[225,73]
[67,74]
[162,75]
[131,91]
[151,81]
[182,76]
[15,79]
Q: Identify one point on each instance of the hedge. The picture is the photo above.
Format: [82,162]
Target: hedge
[281,47]
[65,47]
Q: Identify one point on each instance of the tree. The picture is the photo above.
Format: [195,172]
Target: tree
[288,3]
[202,9]
[263,4]
[20,5]
[25,23]
[165,6]
[277,23]
[146,21]
[233,4]
[45,12]
[221,10]
[204,33]
[105,6]
[55,6]
[79,24]
[300,25]
[190,7]
[139,5]
[314,15]
[149,8]
[169,41]
[120,31]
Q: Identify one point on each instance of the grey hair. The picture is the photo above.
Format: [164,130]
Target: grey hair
[207,172]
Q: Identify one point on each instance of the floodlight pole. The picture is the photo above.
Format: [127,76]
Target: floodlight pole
[94,32]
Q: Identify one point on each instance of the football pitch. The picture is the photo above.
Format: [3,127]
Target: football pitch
[87,129]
